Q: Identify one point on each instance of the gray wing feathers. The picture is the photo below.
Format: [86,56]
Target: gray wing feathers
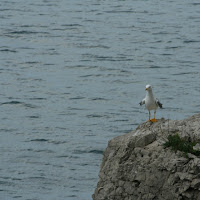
[158,103]
[142,102]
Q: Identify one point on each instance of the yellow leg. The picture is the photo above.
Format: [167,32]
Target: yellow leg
[154,119]
[149,117]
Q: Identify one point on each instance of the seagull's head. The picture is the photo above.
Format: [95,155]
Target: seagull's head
[148,88]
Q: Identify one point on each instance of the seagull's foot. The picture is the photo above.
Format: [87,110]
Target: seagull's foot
[154,120]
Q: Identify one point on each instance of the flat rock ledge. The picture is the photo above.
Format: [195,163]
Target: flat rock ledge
[137,166]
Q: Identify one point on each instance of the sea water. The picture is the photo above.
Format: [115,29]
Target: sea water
[72,74]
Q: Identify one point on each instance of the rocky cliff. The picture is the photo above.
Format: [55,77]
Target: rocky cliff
[137,166]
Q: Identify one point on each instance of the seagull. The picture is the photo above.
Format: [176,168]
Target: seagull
[151,103]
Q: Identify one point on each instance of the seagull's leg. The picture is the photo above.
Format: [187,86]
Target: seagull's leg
[154,119]
[149,116]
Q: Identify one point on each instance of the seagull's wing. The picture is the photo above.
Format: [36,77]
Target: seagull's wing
[158,103]
[142,102]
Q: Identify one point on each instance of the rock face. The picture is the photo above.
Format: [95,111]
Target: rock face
[137,166]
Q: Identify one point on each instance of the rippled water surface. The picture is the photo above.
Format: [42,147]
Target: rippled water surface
[72,74]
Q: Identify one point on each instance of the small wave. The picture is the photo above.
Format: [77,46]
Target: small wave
[94,46]
[154,67]
[37,177]
[8,130]
[63,156]
[190,41]
[85,76]
[185,73]
[72,196]
[33,117]
[121,120]
[98,99]
[119,11]
[45,151]
[76,109]
[19,103]
[8,50]
[77,98]
[166,54]
[58,142]
[32,62]
[71,25]
[173,47]
[93,151]
[39,140]
[96,151]
[94,116]
[17,197]
[196,4]
[38,98]
[81,66]
[6,183]
[12,102]
[26,32]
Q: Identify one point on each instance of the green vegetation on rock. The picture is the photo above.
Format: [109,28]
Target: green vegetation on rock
[176,143]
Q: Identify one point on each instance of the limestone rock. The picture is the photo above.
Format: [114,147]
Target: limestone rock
[136,166]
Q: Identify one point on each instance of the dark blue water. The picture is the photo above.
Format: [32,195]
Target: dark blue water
[71,76]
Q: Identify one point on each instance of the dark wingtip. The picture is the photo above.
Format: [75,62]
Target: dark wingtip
[159,104]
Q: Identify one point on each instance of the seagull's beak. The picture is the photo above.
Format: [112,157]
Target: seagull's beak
[146,88]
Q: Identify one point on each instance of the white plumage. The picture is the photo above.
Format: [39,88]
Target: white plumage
[150,102]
